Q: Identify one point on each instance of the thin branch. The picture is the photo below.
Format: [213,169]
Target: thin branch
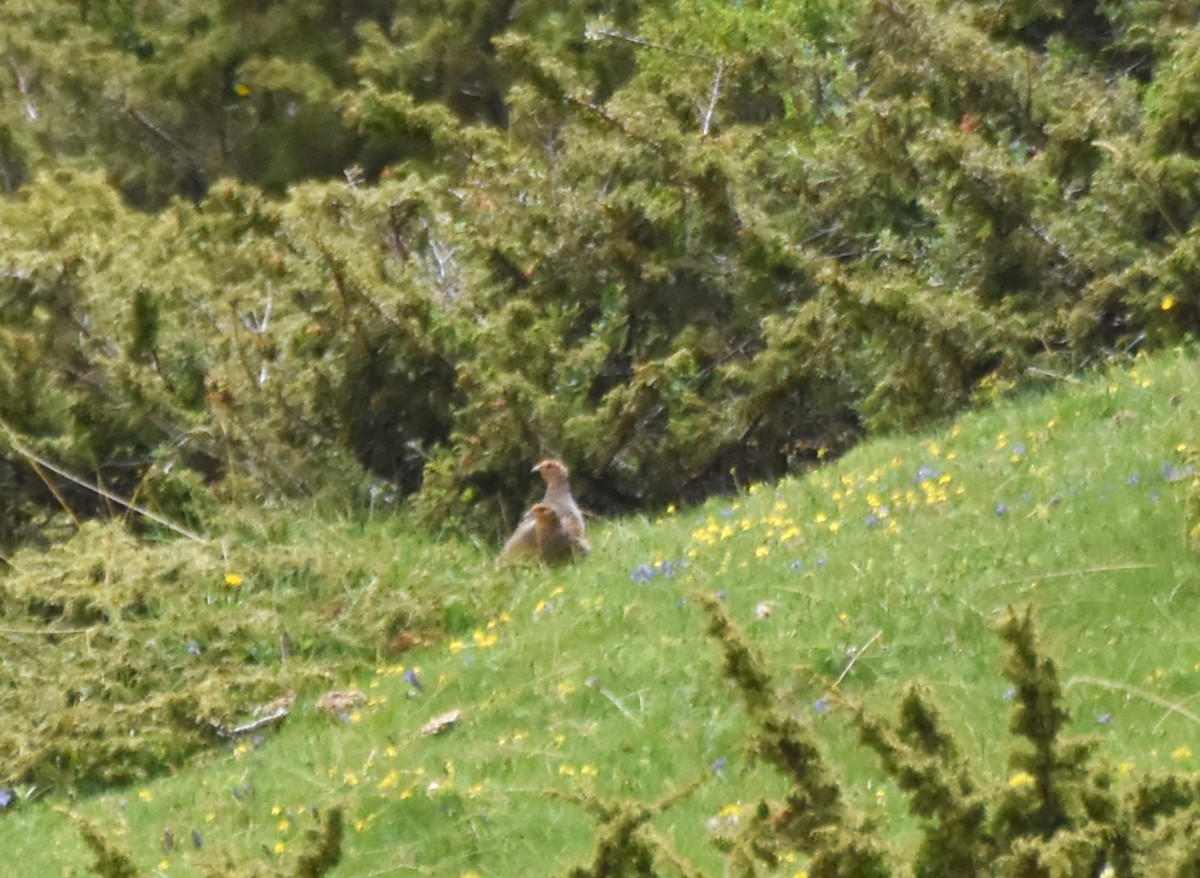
[270,720]
[607,33]
[1170,706]
[157,129]
[1172,709]
[1063,574]
[1046,373]
[712,99]
[35,460]
[1146,187]
[53,489]
[854,658]
[616,702]
[31,110]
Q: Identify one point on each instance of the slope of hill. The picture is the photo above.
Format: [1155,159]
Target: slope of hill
[557,695]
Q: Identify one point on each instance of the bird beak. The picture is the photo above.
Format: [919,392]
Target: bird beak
[536,469]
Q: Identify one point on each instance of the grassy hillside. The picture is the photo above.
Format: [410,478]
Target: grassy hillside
[597,684]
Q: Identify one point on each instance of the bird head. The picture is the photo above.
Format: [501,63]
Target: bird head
[545,515]
[551,470]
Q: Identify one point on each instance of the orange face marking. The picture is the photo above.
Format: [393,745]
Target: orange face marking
[550,466]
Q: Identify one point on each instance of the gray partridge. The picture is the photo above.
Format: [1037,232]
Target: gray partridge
[558,496]
[553,531]
[523,544]
[542,536]
[556,543]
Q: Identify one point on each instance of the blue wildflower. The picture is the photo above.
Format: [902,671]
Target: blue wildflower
[410,676]
[642,574]
[718,767]
[1172,473]
[927,474]
[1002,509]
[821,705]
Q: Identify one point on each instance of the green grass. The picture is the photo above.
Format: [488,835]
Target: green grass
[597,682]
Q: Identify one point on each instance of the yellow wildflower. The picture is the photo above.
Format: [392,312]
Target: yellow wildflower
[1021,779]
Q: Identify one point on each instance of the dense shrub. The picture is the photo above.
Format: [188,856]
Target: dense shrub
[157,649]
[1061,812]
[680,245]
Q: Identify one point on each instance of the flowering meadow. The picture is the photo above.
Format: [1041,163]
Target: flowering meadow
[545,701]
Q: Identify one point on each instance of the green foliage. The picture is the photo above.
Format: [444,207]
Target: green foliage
[220,381]
[322,851]
[109,861]
[584,725]
[159,648]
[289,249]
[325,847]
[627,844]
[1056,815]
[813,819]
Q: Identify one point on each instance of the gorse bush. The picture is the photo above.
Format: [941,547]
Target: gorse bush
[321,852]
[158,649]
[1061,812]
[681,245]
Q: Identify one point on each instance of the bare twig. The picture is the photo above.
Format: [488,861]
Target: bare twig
[616,702]
[157,129]
[607,33]
[31,110]
[36,461]
[712,99]
[270,720]
[1151,191]
[53,489]
[1046,373]
[1170,706]
[1063,574]
[857,655]
[1173,709]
